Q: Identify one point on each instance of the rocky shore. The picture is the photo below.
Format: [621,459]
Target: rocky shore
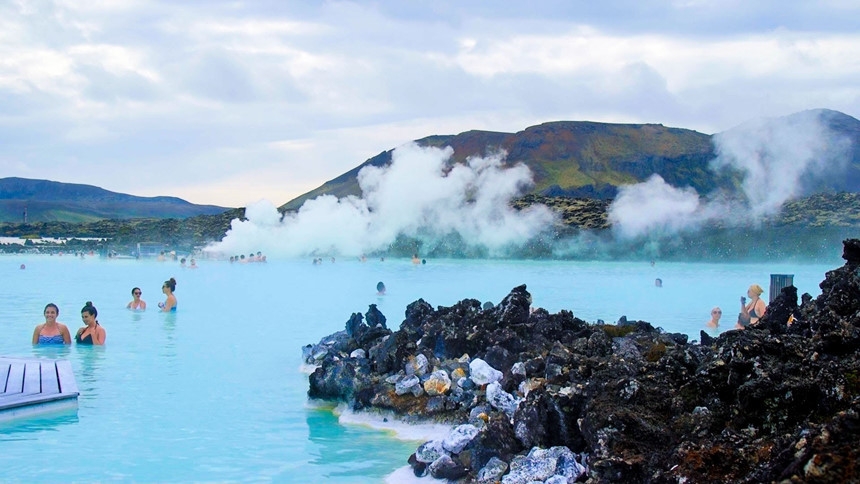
[539,397]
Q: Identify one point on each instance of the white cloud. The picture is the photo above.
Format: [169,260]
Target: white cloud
[205,90]
[684,62]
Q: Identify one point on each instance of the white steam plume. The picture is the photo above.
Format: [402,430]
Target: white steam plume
[417,195]
[777,159]
[777,155]
[653,206]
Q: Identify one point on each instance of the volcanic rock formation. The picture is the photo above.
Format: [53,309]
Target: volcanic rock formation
[550,398]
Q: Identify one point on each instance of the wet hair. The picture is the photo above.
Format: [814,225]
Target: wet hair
[134,289]
[51,305]
[171,283]
[89,308]
[380,286]
[756,289]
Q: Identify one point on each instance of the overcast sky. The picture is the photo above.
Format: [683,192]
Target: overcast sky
[229,102]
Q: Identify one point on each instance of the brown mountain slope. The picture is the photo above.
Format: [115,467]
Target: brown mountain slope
[569,158]
[589,159]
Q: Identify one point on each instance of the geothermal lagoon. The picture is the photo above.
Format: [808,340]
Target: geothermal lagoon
[216,392]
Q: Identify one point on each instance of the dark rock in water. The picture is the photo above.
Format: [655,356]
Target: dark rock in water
[374,317]
[851,251]
[369,335]
[617,403]
[447,468]
[514,308]
[353,324]
[420,469]
[363,333]
[339,380]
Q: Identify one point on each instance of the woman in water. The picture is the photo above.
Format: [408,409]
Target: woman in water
[51,332]
[137,303]
[92,333]
[752,312]
[170,303]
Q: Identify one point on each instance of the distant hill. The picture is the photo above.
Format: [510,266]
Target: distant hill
[591,160]
[47,201]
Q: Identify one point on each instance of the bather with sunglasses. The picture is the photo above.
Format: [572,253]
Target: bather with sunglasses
[716,314]
[137,304]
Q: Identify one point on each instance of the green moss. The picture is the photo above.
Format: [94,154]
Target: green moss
[614,331]
[562,174]
[655,352]
[852,383]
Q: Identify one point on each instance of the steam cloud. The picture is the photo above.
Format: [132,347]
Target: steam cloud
[418,195]
[422,195]
[777,158]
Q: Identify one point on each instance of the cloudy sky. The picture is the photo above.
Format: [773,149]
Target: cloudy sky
[231,102]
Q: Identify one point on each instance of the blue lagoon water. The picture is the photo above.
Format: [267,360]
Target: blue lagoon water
[214,392]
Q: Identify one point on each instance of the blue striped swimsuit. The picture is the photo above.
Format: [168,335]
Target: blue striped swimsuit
[57,339]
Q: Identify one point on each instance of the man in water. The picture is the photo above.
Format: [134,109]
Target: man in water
[716,314]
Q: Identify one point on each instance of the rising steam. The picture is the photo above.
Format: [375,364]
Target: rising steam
[778,159]
[420,194]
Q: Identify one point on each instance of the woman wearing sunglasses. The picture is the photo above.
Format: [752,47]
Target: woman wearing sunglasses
[716,314]
[137,304]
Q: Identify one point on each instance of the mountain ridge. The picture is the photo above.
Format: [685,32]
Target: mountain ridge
[47,200]
[591,159]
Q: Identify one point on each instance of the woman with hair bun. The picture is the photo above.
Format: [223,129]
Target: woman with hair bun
[169,305]
[752,312]
[92,333]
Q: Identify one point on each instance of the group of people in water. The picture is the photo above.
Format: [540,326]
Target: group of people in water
[750,313]
[258,257]
[54,332]
[169,304]
[92,333]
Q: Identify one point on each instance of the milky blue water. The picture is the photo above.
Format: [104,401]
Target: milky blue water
[214,392]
